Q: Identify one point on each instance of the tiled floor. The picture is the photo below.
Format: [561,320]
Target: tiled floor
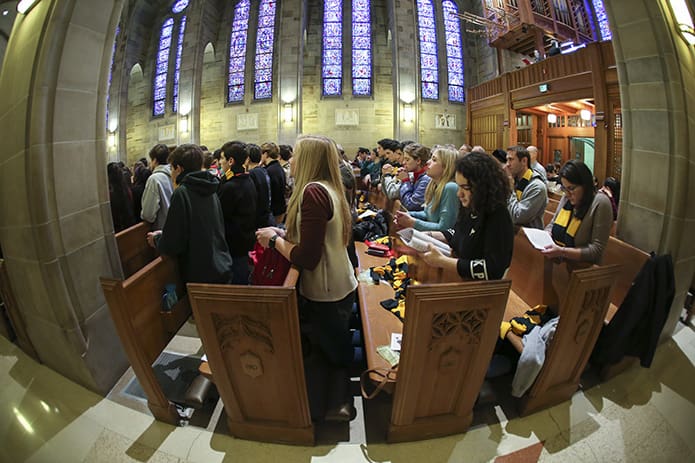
[642,415]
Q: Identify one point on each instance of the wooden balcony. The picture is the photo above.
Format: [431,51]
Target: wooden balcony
[527,25]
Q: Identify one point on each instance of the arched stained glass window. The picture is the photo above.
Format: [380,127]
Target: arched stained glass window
[454,53]
[263,81]
[429,75]
[237,51]
[361,48]
[177,70]
[179,6]
[332,65]
[162,67]
[602,20]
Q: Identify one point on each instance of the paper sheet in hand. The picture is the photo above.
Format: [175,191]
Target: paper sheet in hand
[539,238]
[420,241]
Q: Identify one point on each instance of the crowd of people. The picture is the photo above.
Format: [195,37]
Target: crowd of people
[210,209]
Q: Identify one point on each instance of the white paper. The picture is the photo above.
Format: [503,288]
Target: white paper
[396,341]
[421,241]
[539,239]
[204,358]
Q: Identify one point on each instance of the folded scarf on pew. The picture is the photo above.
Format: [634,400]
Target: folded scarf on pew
[520,326]
[396,273]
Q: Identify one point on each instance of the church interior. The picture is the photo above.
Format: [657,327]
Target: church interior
[86,83]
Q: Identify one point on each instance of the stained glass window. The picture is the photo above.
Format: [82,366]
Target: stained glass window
[177,69]
[179,6]
[361,48]
[263,81]
[113,57]
[237,51]
[332,65]
[162,67]
[454,53]
[602,20]
[429,74]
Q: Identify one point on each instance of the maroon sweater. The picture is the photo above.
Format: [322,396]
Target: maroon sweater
[317,210]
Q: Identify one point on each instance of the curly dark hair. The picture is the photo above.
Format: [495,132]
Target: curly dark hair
[488,183]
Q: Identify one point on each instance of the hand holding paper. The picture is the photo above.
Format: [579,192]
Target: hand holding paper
[421,241]
[539,239]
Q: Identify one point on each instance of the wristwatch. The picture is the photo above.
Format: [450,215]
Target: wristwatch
[272,240]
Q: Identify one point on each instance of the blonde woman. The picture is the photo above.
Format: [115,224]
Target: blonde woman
[319,228]
[441,203]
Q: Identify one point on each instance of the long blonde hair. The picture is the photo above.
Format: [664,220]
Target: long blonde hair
[447,158]
[316,158]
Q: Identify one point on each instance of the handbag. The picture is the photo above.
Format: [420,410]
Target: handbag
[269,266]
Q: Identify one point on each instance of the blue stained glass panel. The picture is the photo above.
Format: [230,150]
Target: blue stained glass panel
[159,108]
[179,6]
[237,51]
[430,91]
[236,93]
[235,79]
[332,53]
[332,42]
[361,71]
[454,52]
[362,87]
[361,47]
[162,67]
[332,72]
[263,79]
[331,87]
[456,93]
[264,90]
[177,70]
[361,30]
[602,20]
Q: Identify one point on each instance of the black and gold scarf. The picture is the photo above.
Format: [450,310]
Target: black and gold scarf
[566,226]
[522,183]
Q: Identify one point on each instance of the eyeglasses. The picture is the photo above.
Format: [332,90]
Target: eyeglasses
[569,189]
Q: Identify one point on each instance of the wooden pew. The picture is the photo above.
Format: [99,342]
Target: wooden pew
[133,249]
[251,338]
[449,334]
[145,330]
[632,259]
[582,309]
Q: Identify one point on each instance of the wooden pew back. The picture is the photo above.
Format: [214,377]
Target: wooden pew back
[582,312]
[631,258]
[448,337]
[145,330]
[252,340]
[133,249]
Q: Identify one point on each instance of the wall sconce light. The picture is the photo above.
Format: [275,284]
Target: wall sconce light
[408,113]
[287,113]
[552,118]
[25,5]
[112,139]
[585,114]
[183,123]
[684,20]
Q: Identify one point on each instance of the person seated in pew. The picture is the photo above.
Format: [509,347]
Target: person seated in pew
[194,228]
[441,204]
[529,195]
[319,229]
[582,222]
[412,177]
[483,237]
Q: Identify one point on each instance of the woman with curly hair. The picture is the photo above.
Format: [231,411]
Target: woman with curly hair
[483,237]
